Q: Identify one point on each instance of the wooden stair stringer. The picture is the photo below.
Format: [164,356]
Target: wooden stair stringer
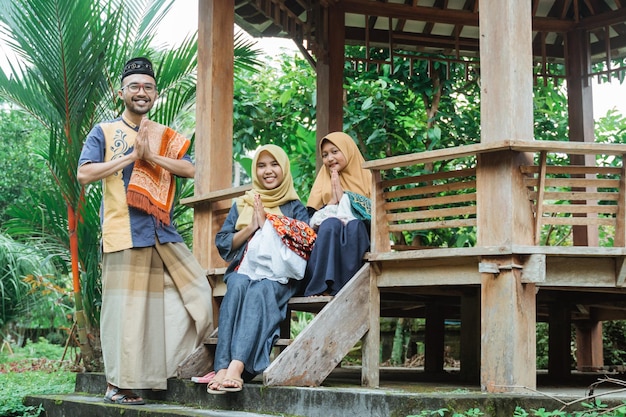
[199,362]
[319,348]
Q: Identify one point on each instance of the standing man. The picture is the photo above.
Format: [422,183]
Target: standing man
[156,298]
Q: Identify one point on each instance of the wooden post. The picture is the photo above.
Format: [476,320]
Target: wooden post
[214,121]
[370,372]
[504,214]
[581,129]
[434,337]
[214,117]
[329,71]
[580,115]
[559,341]
[380,226]
[579,90]
[470,337]
[588,337]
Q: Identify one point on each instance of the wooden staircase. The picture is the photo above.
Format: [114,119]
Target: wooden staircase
[341,321]
[319,348]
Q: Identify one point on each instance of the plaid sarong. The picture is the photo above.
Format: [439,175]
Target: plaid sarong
[156,309]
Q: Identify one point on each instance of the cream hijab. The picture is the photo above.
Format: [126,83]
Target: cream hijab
[271,199]
[352,178]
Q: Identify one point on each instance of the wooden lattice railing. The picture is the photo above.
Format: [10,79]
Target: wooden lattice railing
[576,195]
[418,203]
[561,193]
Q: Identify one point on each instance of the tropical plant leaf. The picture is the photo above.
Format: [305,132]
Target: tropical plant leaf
[70,54]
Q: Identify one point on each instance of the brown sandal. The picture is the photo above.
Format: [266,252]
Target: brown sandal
[129,398]
[215,387]
[237,384]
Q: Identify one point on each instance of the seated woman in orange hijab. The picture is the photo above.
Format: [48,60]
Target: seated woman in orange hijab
[340,199]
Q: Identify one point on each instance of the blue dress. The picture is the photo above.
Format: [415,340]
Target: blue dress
[251,311]
[337,255]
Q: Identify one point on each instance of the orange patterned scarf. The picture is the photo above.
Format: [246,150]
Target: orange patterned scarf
[151,187]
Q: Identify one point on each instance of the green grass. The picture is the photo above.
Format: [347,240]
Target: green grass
[35,368]
[593,409]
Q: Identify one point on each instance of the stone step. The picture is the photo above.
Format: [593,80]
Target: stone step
[403,392]
[83,405]
[342,397]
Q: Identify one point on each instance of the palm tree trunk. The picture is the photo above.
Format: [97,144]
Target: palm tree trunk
[86,350]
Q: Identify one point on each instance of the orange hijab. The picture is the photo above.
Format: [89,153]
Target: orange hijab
[352,178]
[271,199]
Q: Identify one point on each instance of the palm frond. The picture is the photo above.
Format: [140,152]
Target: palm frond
[246,56]
[17,261]
[176,77]
[67,76]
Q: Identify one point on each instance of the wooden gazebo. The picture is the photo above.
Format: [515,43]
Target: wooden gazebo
[500,287]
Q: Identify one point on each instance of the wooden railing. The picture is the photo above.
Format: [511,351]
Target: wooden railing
[576,195]
[439,191]
[445,199]
[219,203]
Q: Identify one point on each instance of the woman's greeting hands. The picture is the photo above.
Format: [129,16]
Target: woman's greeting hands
[336,188]
[258,218]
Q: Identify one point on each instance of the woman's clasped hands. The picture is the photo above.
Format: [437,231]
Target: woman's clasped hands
[336,188]
[258,218]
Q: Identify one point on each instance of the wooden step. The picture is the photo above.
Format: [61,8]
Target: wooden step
[212,341]
[309,304]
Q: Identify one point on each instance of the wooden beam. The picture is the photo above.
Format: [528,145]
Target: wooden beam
[534,270]
[602,20]
[218,195]
[579,272]
[446,16]
[420,273]
[214,119]
[409,12]
[620,270]
[572,148]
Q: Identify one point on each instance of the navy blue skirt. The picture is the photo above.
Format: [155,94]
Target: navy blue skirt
[337,255]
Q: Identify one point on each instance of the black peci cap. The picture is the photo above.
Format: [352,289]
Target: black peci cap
[139,65]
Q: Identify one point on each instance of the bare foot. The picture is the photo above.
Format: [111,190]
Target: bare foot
[232,380]
[215,384]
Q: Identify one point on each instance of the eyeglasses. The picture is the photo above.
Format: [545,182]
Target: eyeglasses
[135,87]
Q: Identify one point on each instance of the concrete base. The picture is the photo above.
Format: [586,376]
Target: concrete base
[401,394]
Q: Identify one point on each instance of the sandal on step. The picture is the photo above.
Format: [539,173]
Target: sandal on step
[237,384]
[215,387]
[125,399]
[203,379]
